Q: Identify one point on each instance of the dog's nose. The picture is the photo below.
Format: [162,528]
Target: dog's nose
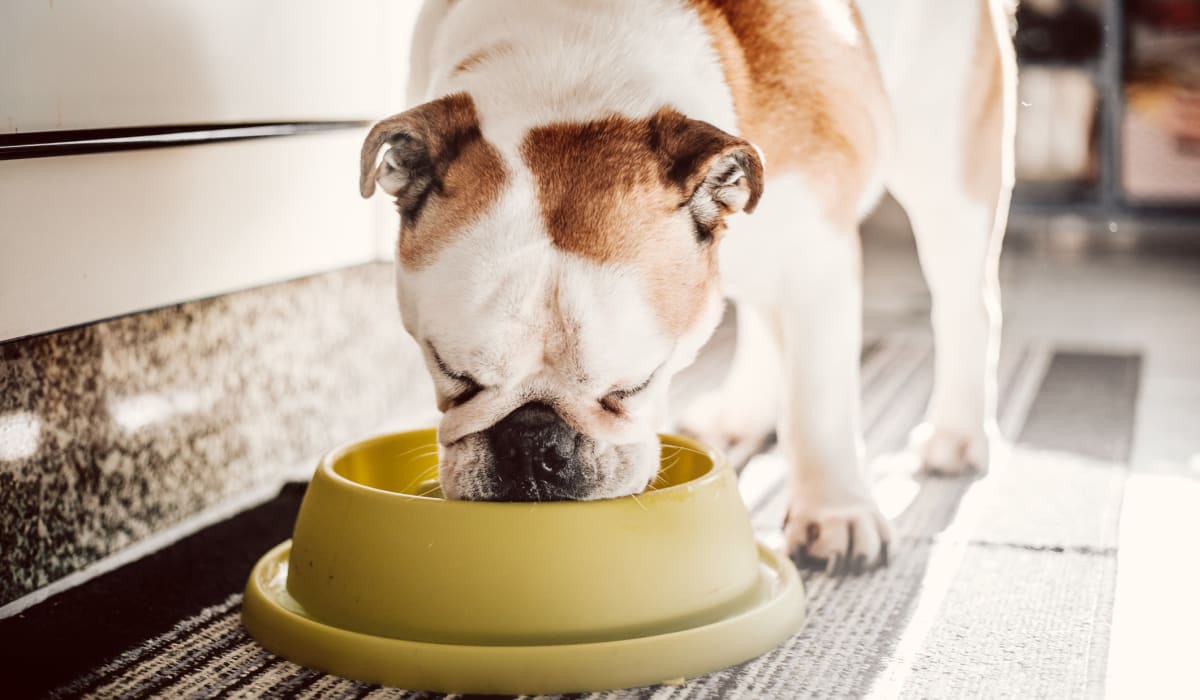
[534,451]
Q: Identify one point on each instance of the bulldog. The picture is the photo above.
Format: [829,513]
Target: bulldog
[582,184]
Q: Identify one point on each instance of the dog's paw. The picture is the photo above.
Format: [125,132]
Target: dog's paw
[738,434]
[949,452]
[847,538]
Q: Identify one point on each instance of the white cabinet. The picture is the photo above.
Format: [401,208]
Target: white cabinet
[83,64]
[91,236]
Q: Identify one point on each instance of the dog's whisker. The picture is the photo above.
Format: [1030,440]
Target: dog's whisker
[423,475]
[423,455]
[426,472]
[682,448]
[435,488]
[671,457]
[666,467]
[414,449]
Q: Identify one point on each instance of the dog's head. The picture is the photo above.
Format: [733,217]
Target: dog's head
[556,280]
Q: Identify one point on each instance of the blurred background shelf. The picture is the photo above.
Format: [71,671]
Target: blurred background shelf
[1109,115]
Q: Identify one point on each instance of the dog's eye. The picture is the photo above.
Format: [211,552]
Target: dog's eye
[611,401]
[703,233]
[612,404]
[471,388]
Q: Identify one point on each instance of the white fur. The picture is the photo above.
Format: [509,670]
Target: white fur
[578,61]
[925,74]
[532,322]
[958,237]
[814,307]
[528,321]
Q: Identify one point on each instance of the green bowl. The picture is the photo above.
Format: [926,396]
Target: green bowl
[386,581]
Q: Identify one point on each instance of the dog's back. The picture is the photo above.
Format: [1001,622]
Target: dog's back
[806,89]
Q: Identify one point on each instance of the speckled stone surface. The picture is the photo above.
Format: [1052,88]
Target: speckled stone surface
[113,431]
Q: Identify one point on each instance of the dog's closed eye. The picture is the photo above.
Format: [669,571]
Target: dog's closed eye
[470,388]
[611,401]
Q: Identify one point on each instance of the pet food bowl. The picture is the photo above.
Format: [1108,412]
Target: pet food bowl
[385,581]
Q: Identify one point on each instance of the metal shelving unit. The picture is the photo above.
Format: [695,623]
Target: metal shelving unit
[1104,199]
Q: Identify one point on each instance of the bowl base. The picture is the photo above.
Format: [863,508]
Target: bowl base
[283,627]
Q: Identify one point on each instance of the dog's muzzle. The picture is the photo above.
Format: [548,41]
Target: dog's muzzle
[536,456]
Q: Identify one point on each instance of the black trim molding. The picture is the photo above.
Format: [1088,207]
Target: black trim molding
[45,144]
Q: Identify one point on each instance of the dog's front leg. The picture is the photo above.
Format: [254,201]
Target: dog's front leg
[739,416]
[832,519]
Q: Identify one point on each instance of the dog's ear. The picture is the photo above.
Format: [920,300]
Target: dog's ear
[422,143]
[723,174]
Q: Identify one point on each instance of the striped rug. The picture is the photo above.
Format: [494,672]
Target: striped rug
[998,587]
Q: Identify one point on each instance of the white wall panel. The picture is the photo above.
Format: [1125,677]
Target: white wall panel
[74,64]
[88,237]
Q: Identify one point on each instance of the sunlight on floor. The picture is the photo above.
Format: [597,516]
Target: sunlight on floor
[1156,615]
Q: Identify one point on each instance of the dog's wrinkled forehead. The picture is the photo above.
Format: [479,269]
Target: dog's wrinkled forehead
[650,192]
[647,195]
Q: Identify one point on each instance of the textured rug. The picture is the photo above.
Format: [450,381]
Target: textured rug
[998,587]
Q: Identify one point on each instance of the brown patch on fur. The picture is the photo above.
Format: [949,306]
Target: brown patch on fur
[811,100]
[481,56]
[985,165]
[463,174]
[616,190]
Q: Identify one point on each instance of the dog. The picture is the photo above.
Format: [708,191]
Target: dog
[582,184]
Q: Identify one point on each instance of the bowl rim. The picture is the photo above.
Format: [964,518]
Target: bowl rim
[712,476]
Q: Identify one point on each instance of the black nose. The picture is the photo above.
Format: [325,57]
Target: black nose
[535,454]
